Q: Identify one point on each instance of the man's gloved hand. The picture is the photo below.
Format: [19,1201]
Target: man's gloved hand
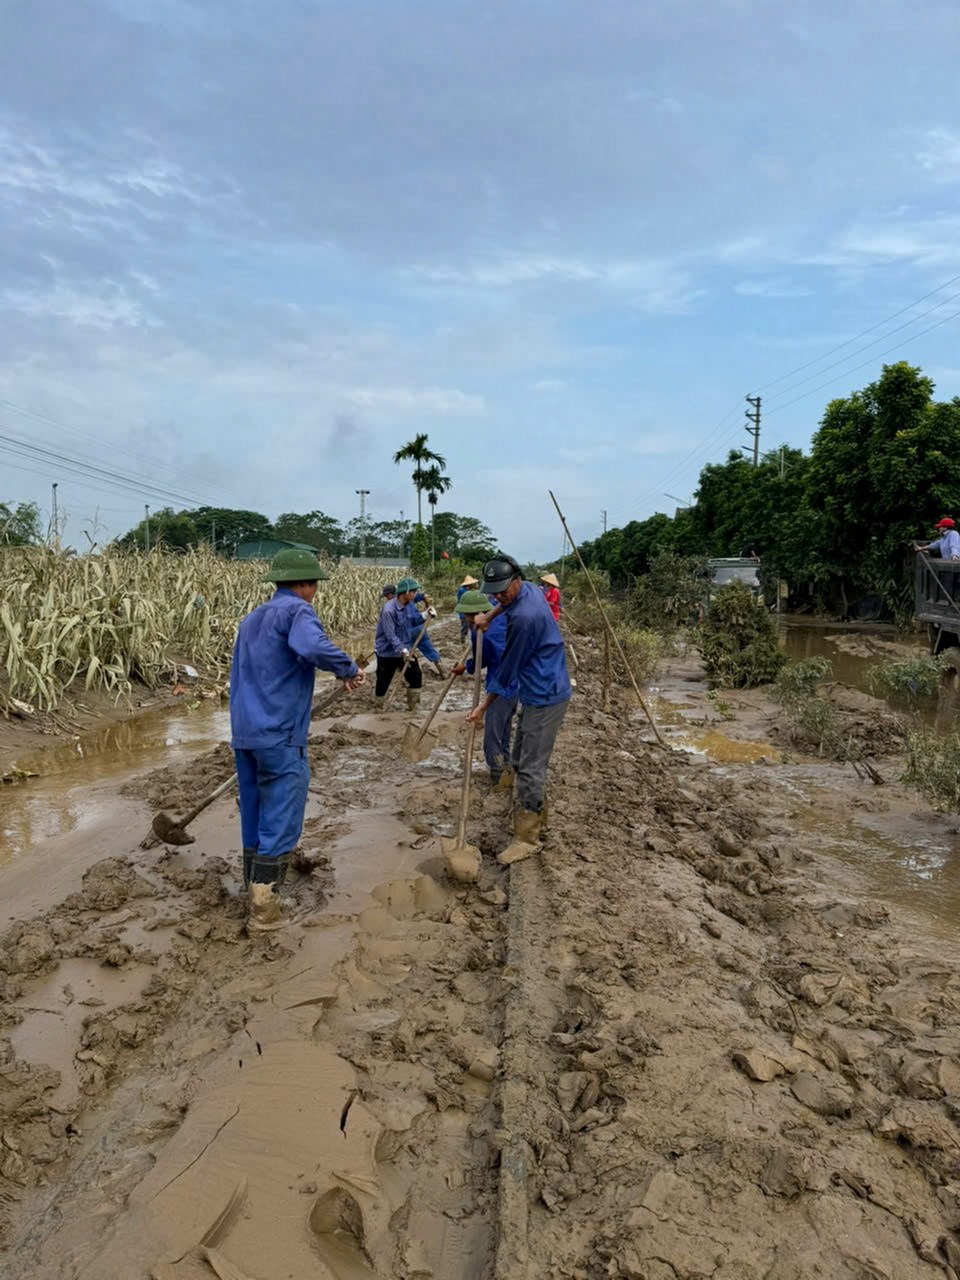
[404,654]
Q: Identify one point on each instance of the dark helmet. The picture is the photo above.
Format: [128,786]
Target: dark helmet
[389,590]
[499,572]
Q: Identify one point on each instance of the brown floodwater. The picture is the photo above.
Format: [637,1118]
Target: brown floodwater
[69,793]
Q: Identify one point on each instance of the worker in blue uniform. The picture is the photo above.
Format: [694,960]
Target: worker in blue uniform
[416,619]
[533,667]
[278,650]
[498,721]
[398,626]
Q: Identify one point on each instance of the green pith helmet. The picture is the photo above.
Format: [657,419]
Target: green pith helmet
[473,602]
[293,565]
[407,584]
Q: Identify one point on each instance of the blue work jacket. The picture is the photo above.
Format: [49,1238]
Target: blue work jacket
[415,621]
[533,664]
[947,547]
[494,638]
[276,655]
[397,628]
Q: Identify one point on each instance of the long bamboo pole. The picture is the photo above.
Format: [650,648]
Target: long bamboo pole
[609,625]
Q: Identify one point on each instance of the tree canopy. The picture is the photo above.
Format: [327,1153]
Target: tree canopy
[883,466]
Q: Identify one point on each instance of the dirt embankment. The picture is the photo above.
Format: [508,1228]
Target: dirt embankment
[731,1063]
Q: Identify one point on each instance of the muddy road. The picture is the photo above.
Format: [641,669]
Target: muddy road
[692,1039]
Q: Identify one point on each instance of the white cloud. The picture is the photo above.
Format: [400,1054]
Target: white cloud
[109,308]
[771,287]
[939,152]
[415,399]
[550,384]
[658,286]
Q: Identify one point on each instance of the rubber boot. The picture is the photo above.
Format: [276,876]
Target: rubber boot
[378,701]
[413,699]
[248,856]
[506,780]
[527,825]
[266,877]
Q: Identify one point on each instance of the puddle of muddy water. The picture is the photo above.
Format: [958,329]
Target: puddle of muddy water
[64,796]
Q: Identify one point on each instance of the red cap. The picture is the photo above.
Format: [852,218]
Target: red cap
[945,523]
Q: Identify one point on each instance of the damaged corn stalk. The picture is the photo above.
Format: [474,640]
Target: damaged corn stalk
[110,621]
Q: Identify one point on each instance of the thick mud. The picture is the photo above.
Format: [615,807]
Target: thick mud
[687,1040]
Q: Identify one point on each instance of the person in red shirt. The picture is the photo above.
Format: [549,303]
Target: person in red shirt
[551,591]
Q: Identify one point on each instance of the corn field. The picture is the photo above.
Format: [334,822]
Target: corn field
[109,621]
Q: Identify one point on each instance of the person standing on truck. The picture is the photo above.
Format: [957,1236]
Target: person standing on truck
[947,546]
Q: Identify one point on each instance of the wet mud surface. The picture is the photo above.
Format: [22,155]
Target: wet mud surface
[735,1058]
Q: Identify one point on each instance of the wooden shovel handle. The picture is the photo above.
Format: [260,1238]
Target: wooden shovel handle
[471,739]
[439,702]
[403,670]
[215,794]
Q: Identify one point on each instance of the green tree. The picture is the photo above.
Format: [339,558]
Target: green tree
[418,452]
[435,483]
[174,530]
[314,528]
[229,525]
[464,537]
[420,549]
[20,525]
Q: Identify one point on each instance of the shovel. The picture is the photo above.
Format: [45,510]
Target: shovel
[322,705]
[403,670]
[418,743]
[167,830]
[463,860]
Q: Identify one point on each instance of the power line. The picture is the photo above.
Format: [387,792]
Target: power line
[702,443]
[856,338]
[95,486]
[23,448]
[853,369]
[76,431]
[883,337]
[866,363]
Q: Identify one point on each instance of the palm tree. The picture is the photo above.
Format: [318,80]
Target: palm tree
[435,483]
[416,450]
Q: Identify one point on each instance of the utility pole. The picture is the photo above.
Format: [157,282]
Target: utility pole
[604,514]
[213,535]
[753,417]
[363,519]
[54,518]
[146,518]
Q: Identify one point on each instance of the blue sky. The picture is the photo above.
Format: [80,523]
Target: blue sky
[247,250]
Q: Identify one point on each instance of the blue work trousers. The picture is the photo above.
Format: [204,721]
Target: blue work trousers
[497,728]
[273,785]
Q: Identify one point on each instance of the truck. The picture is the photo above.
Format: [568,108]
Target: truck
[937,603]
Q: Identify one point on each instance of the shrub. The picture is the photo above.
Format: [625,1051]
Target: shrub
[670,594]
[738,640]
[911,679]
[643,649]
[933,767]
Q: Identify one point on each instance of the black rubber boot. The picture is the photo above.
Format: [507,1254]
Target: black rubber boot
[266,877]
[248,857]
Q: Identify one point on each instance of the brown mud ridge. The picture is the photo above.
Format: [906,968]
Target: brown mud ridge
[674,1045]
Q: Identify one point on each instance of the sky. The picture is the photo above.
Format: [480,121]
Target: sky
[248,250]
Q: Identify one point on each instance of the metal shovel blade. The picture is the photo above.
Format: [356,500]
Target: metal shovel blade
[169,830]
[462,860]
[416,745]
